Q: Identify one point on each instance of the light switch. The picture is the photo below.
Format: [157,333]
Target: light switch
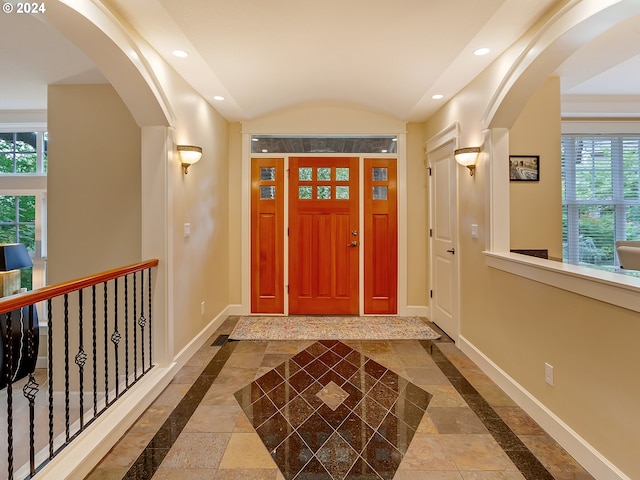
[187,230]
[474,230]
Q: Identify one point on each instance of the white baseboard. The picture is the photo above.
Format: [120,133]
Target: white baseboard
[592,460]
[194,345]
[41,362]
[416,311]
[235,310]
[77,460]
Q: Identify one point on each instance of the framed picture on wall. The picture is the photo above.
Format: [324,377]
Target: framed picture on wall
[524,168]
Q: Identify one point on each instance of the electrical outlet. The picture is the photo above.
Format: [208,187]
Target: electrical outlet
[202,308]
[548,374]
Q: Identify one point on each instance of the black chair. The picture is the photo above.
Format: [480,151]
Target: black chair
[24,328]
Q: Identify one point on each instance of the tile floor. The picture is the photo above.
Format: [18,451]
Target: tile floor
[355,410]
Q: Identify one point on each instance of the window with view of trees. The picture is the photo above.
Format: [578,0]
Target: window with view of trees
[24,153]
[18,225]
[601,196]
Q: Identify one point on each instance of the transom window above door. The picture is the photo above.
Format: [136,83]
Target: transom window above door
[324,144]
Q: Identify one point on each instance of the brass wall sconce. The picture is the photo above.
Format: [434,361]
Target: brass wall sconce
[189,154]
[467,157]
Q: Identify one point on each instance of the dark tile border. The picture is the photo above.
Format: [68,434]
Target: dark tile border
[156,450]
[526,462]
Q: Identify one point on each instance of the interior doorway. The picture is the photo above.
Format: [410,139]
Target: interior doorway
[443,224]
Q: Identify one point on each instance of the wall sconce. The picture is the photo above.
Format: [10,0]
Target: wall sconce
[467,157]
[189,154]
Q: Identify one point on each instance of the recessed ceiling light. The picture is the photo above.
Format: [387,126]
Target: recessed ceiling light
[481,51]
[437,96]
[180,54]
[218,98]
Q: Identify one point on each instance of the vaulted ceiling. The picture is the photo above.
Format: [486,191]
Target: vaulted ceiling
[389,56]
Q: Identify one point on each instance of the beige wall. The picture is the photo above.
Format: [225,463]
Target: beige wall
[536,207]
[417,218]
[93,184]
[590,344]
[94,194]
[235,214]
[199,269]
[519,324]
[95,204]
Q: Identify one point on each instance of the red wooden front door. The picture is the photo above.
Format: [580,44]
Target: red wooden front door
[267,235]
[324,240]
[380,236]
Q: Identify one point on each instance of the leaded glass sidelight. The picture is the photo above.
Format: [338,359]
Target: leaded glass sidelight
[267,173]
[305,193]
[380,192]
[324,192]
[305,174]
[267,192]
[380,174]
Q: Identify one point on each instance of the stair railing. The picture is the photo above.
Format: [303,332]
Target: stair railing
[99,343]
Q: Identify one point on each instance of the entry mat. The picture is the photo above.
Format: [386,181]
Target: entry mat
[332,328]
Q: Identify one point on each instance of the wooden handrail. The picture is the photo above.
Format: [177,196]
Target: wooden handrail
[20,300]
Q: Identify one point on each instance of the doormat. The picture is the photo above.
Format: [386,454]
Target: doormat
[332,328]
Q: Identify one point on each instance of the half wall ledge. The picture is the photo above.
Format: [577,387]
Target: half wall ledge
[609,287]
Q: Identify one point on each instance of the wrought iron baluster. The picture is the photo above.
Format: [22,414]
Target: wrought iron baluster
[94,341]
[50,372]
[81,356]
[142,321]
[30,390]
[126,330]
[106,351]
[8,372]
[67,419]
[135,330]
[115,336]
[150,322]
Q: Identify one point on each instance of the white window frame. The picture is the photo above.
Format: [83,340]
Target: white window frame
[617,200]
[31,184]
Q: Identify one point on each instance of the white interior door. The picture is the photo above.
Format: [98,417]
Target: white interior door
[443,221]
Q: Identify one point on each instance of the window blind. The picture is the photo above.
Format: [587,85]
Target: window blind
[600,196]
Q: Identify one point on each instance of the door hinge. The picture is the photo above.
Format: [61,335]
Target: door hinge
[431,232]
[429,168]
[287,231]
[430,293]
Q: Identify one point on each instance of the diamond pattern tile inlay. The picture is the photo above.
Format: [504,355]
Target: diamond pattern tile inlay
[331,412]
[332,395]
